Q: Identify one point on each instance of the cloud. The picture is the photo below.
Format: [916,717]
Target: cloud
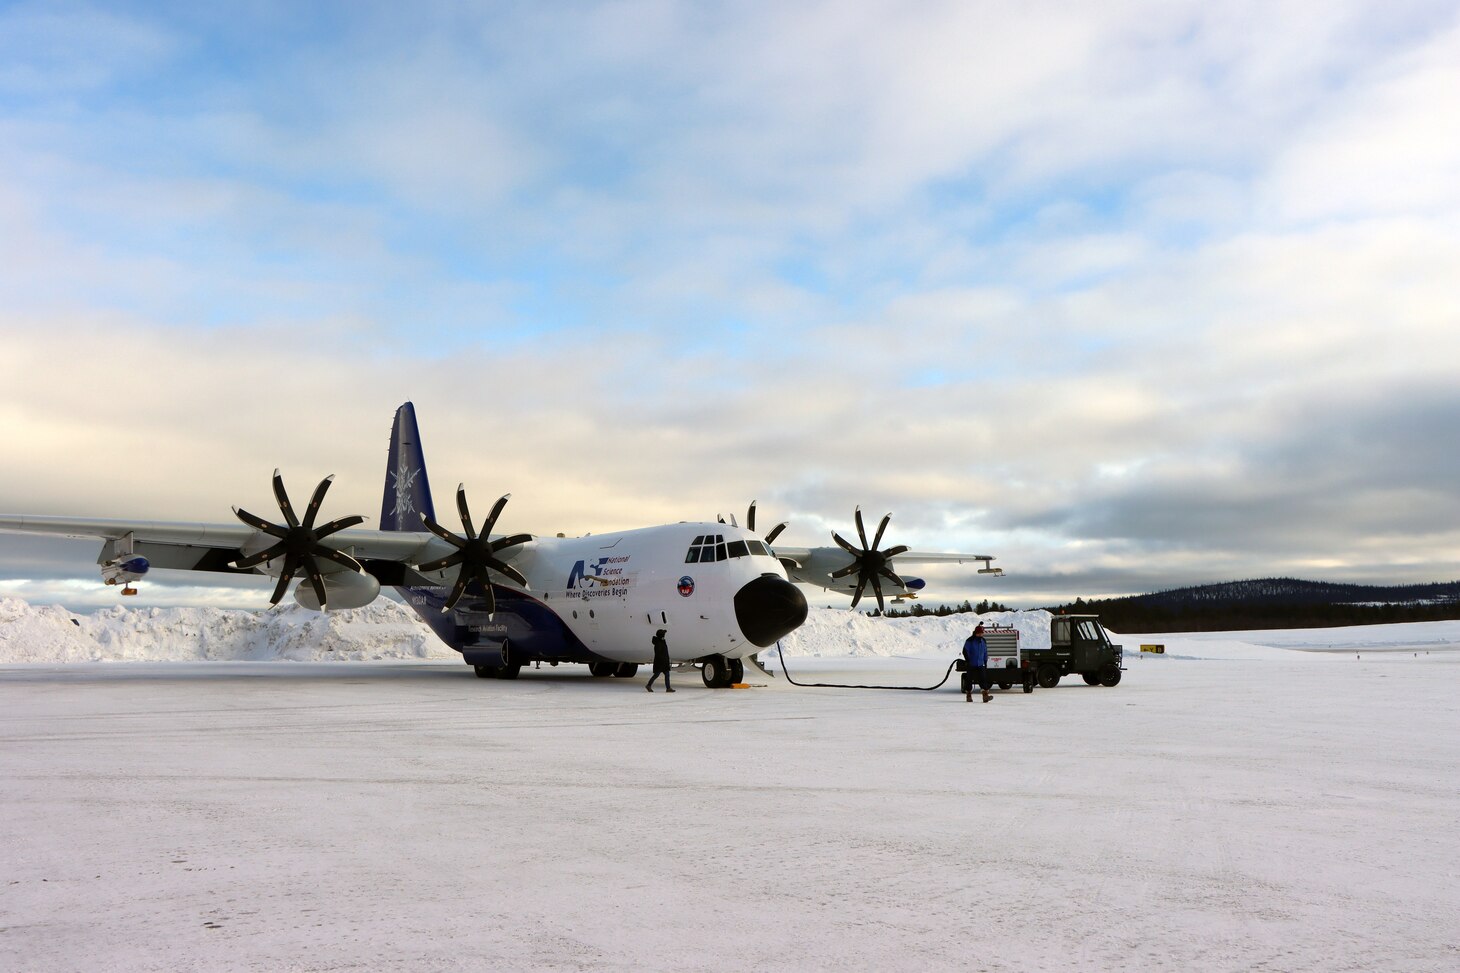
[1117,294]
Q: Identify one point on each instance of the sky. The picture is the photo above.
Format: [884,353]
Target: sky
[1130,295]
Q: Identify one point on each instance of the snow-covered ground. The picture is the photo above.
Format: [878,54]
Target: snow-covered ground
[1234,805]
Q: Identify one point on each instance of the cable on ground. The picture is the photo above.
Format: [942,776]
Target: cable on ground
[840,685]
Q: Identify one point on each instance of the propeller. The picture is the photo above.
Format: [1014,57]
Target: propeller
[299,543]
[870,564]
[475,552]
[750,524]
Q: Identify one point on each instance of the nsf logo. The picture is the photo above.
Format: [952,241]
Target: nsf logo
[686,586]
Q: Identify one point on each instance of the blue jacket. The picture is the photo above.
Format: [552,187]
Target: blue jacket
[976,651]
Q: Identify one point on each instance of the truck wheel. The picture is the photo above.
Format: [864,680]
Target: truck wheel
[1110,675]
[1029,683]
[1005,684]
[1049,677]
[1091,679]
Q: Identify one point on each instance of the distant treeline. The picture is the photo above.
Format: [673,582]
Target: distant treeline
[1273,603]
[919,610]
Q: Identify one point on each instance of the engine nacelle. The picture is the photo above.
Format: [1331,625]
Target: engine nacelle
[125,570]
[342,590]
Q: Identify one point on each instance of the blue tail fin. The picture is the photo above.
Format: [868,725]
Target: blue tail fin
[407,491]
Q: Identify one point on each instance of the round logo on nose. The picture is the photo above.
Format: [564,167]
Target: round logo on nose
[686,586]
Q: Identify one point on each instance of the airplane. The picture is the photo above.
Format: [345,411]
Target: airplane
[720,591]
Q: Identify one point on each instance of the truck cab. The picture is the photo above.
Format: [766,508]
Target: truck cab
[1078,643]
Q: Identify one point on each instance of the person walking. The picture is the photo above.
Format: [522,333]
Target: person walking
[661,662]
[976,664]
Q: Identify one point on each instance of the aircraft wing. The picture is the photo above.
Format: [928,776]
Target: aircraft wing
[816,565]
[387,555]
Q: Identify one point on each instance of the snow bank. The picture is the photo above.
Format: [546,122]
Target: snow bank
[49,633]
[389,630]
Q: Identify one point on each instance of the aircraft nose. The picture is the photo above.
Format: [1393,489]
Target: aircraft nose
[768,608]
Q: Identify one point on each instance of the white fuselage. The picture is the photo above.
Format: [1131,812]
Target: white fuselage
[615,590]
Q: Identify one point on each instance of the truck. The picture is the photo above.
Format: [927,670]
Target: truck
[1077,643]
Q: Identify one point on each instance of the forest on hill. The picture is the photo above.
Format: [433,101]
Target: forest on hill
[1272,603]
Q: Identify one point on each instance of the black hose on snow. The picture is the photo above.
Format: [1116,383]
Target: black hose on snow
[839,685]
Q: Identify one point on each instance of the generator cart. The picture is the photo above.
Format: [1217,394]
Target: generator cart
[1006,666]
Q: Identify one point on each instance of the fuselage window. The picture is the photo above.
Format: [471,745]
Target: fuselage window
[720,554]
[756,547]
[737,549]
[693,556]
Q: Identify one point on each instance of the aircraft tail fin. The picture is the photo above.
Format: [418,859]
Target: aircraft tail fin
[407,491]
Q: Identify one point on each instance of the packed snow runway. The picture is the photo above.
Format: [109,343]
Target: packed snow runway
[1239,807]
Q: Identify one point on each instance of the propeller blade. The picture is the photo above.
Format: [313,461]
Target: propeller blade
[854,551]
[316,580]
[508,570]
[338,525]
[461,508]
[486,584]
[854,566]
[283,498]
[442,532]
[775,532]
[893,552]
[881,527]
[505,542]
[857,595]
[877,591]
[461,579]
[750,516]
[862,531]
[445,562]
[284,580]
[265,555]
[496,512]
[259,523]
[314,501]
[339,557]
[893,578]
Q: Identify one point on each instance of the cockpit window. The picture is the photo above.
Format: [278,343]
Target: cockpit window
[713,547]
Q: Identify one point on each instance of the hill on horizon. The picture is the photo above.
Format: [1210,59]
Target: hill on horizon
[1273,603]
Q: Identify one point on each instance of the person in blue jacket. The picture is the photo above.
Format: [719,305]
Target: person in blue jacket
[976,655]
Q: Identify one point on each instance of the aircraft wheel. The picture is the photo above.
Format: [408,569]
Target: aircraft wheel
[737,671]
[1091,678]
[485,672]
[1049,677]
[626,670]
[509,671]
[1110,675]
[715,672]
[602,668]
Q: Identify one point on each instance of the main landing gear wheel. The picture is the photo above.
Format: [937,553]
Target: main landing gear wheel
[1091,679]
[1049,677]
[626,670]
[602,668]
[1110,675]
[510,671]
[486,672]
[737,671]
[716,672]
